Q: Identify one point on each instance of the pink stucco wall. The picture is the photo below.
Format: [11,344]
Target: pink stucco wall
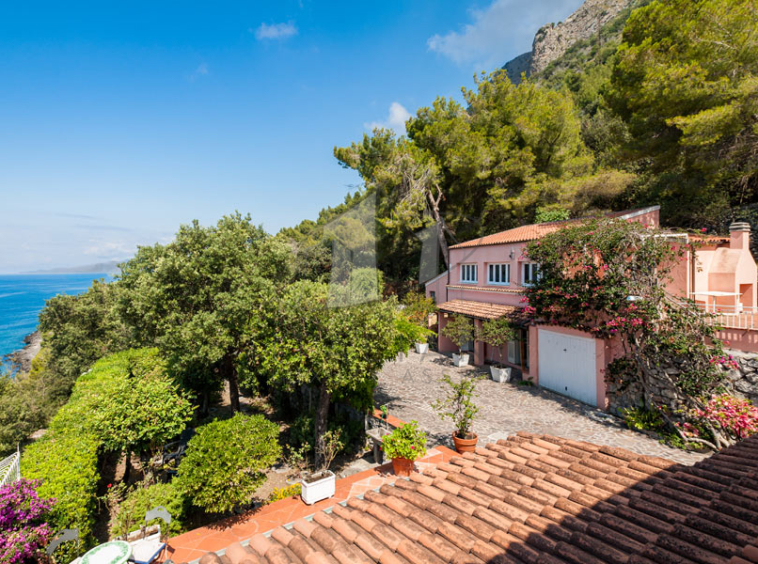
[648,218]
[740,339]
[481,291]
[714,266]
[444,344]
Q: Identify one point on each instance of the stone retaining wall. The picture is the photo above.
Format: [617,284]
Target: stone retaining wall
[742,382]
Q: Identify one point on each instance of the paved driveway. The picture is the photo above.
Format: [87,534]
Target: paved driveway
[410,387]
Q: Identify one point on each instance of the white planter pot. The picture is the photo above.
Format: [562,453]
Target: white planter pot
[422,348]
[318,490]
[460,359]
[500,374]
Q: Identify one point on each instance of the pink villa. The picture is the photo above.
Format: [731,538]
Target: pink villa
[488,276]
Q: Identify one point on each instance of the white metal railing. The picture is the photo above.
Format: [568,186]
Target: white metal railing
[10,469]
[733,317]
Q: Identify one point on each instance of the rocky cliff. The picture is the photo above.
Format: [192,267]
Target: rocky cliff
[552,40]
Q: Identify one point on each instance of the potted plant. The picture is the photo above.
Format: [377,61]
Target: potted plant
[404,445]
[297,461]
[458,406]
[460,331]
[418,308]
[496,333]
[407,334]
[320,484]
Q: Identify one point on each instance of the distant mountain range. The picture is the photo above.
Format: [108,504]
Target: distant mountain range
[553,40]
[110,267]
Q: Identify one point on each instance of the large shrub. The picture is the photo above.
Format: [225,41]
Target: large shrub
[23,528]
[143,411]
[131,512]
[226,460]
[65,459]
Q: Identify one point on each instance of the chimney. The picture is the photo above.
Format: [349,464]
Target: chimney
[739,235]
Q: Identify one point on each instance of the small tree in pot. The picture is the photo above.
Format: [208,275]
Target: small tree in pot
[496,333]
[460,331]
[405,445]
[408,334]
[321,484]
[418,308]
[458,406]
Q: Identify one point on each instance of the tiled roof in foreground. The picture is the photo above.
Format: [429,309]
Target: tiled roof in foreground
[480,310]
[536,500]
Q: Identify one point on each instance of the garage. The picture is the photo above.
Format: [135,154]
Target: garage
[567,365]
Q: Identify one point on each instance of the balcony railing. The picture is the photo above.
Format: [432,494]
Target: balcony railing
[733,317]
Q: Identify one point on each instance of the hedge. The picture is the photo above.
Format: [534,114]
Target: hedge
[131,511]
[65,459]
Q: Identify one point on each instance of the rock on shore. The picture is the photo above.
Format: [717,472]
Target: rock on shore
[23,358]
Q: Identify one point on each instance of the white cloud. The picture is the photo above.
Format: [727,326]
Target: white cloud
[395,121]
[201,70]
[275,31]
[110,250]
[500,31]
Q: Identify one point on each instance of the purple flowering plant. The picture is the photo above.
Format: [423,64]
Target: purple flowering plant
[23,527]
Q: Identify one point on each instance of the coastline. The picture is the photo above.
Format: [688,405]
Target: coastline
[23,357]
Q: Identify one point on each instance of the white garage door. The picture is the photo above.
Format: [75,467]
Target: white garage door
[567,365]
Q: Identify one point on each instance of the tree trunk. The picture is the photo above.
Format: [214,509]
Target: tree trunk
[127,467]
[322,414]
[441,227]
[234,387]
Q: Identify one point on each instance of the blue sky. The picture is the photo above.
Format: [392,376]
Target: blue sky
[120,121]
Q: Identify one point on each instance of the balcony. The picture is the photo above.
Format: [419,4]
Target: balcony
[733,317]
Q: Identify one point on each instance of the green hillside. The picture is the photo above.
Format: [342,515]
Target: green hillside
[661,107]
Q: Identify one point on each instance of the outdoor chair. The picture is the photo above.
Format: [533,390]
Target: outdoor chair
[65,535]
[149,547]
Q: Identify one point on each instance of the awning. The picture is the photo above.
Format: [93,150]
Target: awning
[482,310]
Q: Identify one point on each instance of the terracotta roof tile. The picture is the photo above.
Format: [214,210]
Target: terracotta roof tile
[518,235]
[538,499]
[538,230]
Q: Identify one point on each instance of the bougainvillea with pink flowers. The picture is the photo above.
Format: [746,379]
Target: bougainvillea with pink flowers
[23,528]
[609,278]
[737,417]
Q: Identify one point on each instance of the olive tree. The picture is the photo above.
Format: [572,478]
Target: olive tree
[330,348]
[199,297]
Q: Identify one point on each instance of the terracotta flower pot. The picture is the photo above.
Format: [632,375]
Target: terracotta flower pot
[402,466]
[465,445]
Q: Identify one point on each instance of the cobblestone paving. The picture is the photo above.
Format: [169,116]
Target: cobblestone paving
[409,388]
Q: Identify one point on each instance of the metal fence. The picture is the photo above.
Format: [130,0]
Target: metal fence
[10,469]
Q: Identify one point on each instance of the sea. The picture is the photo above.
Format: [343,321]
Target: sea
[23,296]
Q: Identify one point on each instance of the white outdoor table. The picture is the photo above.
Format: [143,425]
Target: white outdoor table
[113,552]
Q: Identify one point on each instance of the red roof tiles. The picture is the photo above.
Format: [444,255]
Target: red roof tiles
[537,499]
[538,230]
[517,235]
